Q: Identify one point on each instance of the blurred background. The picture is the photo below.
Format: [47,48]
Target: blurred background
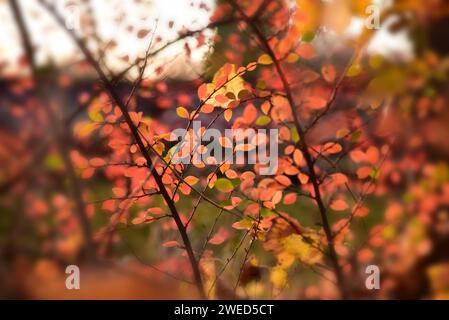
[55,181]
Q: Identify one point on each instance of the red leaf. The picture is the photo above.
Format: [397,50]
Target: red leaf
[290,198]
[221,236]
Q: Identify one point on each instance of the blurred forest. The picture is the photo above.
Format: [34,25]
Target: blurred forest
[91,91]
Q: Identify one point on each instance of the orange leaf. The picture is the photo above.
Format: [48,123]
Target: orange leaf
[332,148]
[357,156]
[277,197]
[171,244]
[284,180]
[156,211]
[182,112]
[265,107]
[306,51]
[250,113]
[298,157]
[228,114]
[191,180]
[207,108]
[314,102]
[372,155]
[328,72]
[303,178]
[339,178]
[339,205]
[231,174]
[363,172]
[265,59]
[202,92]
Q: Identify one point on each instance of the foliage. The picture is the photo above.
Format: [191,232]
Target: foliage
[352,188]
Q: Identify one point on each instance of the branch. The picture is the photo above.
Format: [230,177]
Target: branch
[75,185]
[135,133]
[304,147]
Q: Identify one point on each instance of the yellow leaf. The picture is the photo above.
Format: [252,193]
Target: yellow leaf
[285,259]
[265,59]
[292,57]
[295,245]
[95,115]
[309,15]
[182,112]
[375,61]
[230,89]
[278,277]
[354,70]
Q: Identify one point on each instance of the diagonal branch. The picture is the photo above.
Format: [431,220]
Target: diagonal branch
[138,140]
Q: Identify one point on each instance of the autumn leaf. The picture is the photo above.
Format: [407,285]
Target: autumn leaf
[142,33]
[220,236]
[332,148]
[250,113]
[290,198]
[354,70]
[224,185]
[263,120]
[265,107]
[278,276]
[202,92]
[171,244]
[265,59]
[244,224]
[306,51]
[228,115]
[191,180]
[339,205]
[298,157]
[182,112]
[314,102]
[328,72]
[283,180]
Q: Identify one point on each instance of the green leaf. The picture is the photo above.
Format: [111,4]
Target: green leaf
[245,223]
[263,120]
[243,94]
[356,136]
[53,162]
[235,182]
[308,36]
[375,173]
[295,135]
[261,85]
[265,213]
[224,185]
